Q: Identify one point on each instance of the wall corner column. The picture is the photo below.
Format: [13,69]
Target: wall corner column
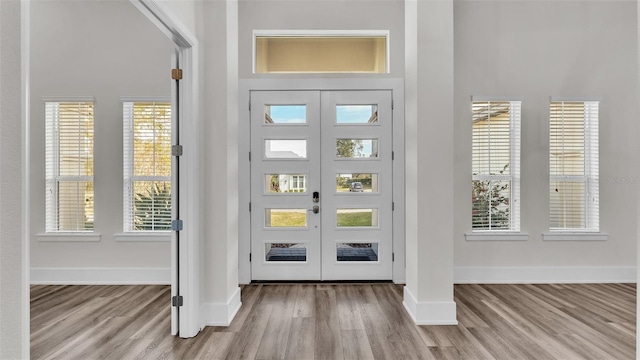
[221,300]
[429,89]
[14,277]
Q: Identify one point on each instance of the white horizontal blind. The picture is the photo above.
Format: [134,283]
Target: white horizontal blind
[496,166]
[573,166]
[147,166]
[69,166]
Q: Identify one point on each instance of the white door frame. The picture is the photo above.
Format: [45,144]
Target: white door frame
[244,167]
[186,251]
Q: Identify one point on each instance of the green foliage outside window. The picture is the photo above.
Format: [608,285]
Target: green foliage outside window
[491,204]
[152,208]
[150,167]
[348,148]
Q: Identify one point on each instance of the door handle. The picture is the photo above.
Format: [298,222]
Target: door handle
[315,209]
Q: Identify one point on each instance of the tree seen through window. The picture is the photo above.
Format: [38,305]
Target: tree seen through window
[148,166]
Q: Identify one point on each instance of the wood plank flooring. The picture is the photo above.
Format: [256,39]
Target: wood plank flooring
[340,321]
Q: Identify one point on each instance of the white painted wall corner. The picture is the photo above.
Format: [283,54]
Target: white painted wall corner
[429,312]
[221,314]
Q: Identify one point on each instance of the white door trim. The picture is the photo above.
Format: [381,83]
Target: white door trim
[188,249]
[244,145]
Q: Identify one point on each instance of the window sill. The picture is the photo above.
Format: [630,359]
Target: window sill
[143,237]
[496,236]
[69,237]
[575,236]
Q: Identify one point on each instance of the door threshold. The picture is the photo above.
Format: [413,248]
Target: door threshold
[319,282]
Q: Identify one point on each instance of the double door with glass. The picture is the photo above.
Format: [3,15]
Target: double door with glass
[321,185]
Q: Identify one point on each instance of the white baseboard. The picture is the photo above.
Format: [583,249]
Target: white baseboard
[221,314]
[544,274]
[97,276]
[430,312]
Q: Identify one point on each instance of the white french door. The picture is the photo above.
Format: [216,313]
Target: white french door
[285,152]
[321,185]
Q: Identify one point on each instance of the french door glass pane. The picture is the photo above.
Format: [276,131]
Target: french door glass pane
[357,252]
[357,114]
[357,182]
[285,149]
[285,114]
[285,183]
[285,217]
[285,252]
[356,217]
[357,148]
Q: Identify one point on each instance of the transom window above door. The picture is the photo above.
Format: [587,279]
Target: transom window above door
[286,51]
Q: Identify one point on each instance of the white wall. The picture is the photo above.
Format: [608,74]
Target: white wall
[321,15]
[184,13]
[103,49]
[532,50]
[14,300]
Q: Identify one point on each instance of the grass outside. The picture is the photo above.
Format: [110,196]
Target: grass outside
[299,219]
[355,219]
[288,219]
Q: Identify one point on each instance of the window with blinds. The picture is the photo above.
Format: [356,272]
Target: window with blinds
[69,166]
[147,166]
[573,166]
[495,166]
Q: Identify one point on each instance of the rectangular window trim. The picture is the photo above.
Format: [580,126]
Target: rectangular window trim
[575,236]
[321,33]
[496,236]
[65,236]
[513,231]
[53,177]
[589,176]
[129,178]
[143,236]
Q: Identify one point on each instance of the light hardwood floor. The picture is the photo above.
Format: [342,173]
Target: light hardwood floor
[339,321]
